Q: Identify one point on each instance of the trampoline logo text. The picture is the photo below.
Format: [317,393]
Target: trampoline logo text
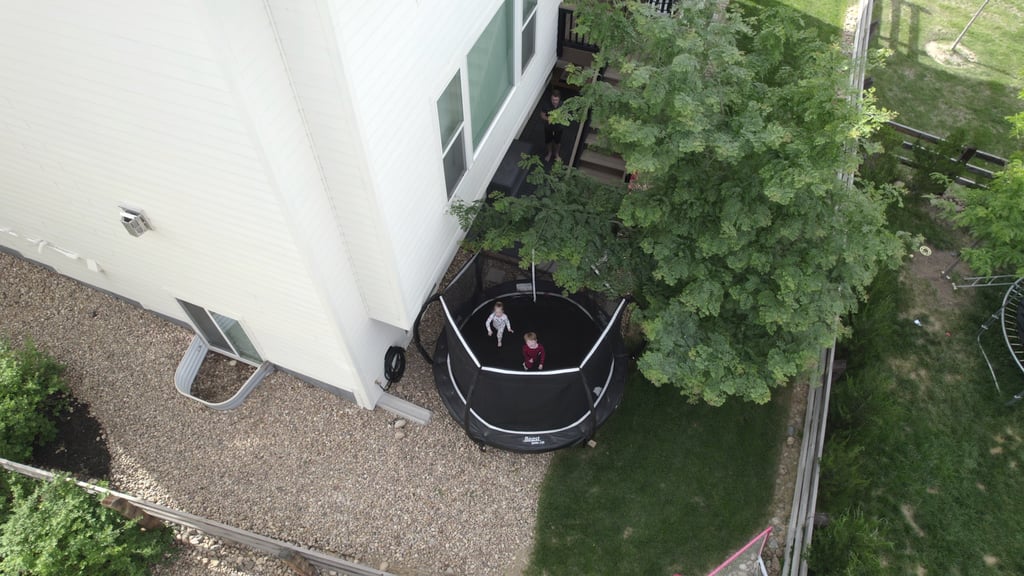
[532,440]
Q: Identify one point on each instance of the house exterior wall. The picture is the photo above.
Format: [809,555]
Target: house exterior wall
[286,152]
[150,105]
[398,62]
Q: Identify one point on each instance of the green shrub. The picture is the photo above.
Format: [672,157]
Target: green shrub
[851,545]
[57,529]
[30,391]
[883,167]
[5,494]
[843,477]
[938,158]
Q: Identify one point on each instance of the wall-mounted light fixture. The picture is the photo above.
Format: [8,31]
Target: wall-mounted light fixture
[134,221]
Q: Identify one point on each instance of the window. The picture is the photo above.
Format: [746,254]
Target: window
[489,70]
[529,41]
[222,333]
[453,145]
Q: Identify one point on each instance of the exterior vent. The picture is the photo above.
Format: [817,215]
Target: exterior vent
[134,221]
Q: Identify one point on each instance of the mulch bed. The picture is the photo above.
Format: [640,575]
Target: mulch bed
[80,448]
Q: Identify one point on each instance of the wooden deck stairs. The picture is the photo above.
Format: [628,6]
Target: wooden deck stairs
[601,166]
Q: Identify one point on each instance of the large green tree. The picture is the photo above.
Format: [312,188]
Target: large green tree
[741,246]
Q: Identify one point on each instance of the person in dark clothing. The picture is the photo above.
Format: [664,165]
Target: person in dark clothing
[533,352]
[552,132]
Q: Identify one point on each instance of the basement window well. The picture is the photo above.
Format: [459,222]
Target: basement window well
[222,333]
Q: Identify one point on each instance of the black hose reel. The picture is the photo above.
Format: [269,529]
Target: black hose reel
[394,366]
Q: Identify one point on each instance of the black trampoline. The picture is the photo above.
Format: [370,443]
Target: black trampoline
[1011,318]
[485,388]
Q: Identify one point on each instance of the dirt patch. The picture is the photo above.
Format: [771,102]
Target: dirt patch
[908,515]
[932,288]
[785,478]
[80,447]
[220,378]
[962,57]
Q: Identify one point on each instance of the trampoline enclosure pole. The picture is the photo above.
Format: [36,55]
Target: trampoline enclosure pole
[533,273]
[590,400]
[467,412]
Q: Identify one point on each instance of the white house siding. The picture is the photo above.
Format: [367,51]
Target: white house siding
[317,74]
[258,63]
[398,58]
[127,102]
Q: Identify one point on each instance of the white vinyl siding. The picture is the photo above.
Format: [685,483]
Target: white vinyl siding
[398,62]
[130,103]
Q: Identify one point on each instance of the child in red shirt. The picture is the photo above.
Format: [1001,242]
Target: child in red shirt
[533,352]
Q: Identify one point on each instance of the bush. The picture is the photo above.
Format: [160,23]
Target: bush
[937,159]
[883,167]
[6,479]
[57,529]
[31,390]
[851,545]
[844,480]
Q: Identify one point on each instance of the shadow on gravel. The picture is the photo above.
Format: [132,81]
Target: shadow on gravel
[80,448]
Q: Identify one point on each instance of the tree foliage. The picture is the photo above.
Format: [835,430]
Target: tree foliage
[30,392]
[995,216]
[57,529]
[742,247]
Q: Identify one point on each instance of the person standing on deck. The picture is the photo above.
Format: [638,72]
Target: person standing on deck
[552,132]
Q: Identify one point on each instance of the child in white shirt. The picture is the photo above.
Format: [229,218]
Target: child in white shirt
[499,320]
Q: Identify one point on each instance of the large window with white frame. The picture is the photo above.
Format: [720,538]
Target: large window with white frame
[474,96]
[222,333]
[528,43]
[453,143]
[490,70]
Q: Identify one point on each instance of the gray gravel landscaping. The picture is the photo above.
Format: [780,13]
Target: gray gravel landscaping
[293,462]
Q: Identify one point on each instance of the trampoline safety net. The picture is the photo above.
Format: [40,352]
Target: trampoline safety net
[485,387]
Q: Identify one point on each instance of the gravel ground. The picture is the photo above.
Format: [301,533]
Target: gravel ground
[293,462]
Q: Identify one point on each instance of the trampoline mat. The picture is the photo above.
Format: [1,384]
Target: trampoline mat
[566,332]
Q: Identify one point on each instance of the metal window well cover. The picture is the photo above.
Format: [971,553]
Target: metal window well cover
[485,388]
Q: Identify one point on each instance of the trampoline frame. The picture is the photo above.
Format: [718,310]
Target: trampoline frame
[1008,315]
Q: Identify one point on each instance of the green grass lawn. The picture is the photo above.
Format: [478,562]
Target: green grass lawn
[670,487]
[826,14]
[938,98]
[920,439]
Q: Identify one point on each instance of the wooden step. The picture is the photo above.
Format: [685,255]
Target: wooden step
[611,164]
[560,76]
[581,58]
[611,76]
[602,176]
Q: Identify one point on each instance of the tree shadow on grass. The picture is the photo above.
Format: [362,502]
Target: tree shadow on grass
[940,98]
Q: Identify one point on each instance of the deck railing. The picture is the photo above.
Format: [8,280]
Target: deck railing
[932,144]
[569,38]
